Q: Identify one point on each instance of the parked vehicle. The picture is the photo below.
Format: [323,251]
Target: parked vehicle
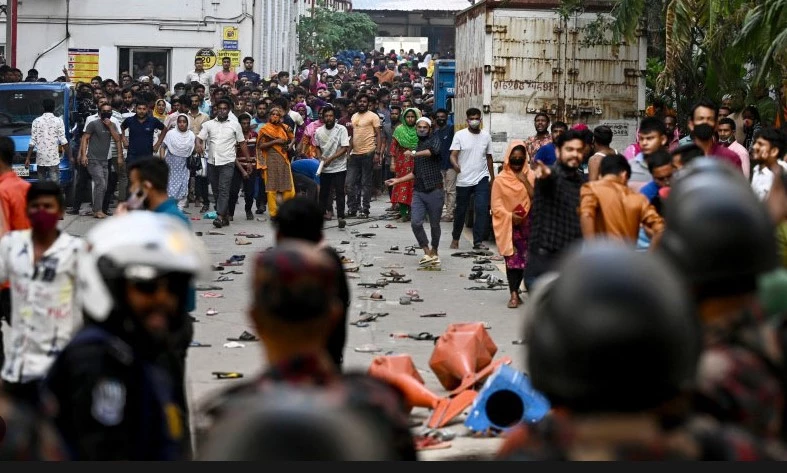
[444,80]
[514,60]
[20,104]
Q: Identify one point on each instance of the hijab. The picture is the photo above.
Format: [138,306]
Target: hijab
[509,192]
[180,143]
[405,134]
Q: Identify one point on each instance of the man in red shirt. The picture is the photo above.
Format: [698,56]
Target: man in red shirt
[13,216]
[226,75]
[703,126]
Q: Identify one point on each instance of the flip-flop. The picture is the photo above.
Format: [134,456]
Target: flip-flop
[218,267]
[369,298]
[365,235]
[412,292]
[394,248]
[346,260]
[212,312]
[390,225]
[245,337]
[352,269]
[213,232]
[211,295]
[254,235]
[208,287]
[196,344]
[374,226]
[227,374]
[435,314]
[232,263]
[405,300]
[367,265]
[198,233]
[223,279]
[430,443]
[368,348]
[232,272]
[392,274]
[344,242]
[399,280]
[485,288]
[242,241]
[374,314]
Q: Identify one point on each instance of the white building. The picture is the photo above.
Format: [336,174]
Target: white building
[106,37]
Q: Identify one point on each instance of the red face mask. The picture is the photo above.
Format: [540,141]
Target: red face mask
[43,221]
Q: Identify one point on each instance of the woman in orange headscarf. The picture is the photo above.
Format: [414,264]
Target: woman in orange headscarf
[272,142]
[512,195]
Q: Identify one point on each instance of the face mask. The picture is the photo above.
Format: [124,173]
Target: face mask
[105,115]
[728,141]
[441,122]
[474,123]
[136,201]
[422,134]
[703,131]
[516,164]
[43,221]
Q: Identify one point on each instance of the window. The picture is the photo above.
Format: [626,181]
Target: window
[140,62]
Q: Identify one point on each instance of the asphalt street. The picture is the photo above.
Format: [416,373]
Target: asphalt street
[441,291]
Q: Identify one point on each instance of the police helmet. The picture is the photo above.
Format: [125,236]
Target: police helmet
[718,234]
[615,332]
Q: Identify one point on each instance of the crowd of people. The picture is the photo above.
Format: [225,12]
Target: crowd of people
[671,353]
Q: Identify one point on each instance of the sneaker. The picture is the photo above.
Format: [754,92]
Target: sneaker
[249,215]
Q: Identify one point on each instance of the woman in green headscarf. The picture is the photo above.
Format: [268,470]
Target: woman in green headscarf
[404,138]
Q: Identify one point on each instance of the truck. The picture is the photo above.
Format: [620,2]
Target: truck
[515,58]
[20,104]
[444,81]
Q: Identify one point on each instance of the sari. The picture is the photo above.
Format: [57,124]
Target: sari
[404,138]
[274,161]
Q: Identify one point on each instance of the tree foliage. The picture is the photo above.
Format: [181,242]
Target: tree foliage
[324,32]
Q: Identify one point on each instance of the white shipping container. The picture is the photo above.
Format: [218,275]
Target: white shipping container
[516,58]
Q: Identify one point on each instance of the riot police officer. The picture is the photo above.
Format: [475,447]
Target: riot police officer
[109,398]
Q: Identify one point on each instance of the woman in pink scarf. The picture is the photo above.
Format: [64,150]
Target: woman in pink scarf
[307,146]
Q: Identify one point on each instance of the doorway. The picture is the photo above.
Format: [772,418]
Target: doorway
[135,61]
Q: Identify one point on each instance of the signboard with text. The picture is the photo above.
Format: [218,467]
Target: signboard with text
[82,64]
[233,55]
[208,57]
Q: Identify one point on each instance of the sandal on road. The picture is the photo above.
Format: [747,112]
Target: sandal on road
[207,287]
[212,312]
[223,279]
[245,337]
[211,295]
[232,272]
[375,296]
[242,241]
[368,348]
[435,314]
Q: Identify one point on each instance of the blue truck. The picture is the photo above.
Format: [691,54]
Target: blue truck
[445,80]
[20,104]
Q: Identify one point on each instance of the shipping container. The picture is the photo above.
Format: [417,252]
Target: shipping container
[515,58]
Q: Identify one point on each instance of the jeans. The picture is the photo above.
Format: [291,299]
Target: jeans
[539,261]
[82,191]
[238,183]
[201,190]
[360,168]
[49,173]
[259,191]
[122,182]
[449,184]
[481,210]
[112,183]
[221,182]
[99,172]
[424,203]
[332,181]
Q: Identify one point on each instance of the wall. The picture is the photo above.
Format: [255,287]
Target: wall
[430,24]
[266,31]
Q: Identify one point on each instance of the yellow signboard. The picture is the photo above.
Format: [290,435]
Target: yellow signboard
[230,33]
[82,64]
[233,55]
[208,58]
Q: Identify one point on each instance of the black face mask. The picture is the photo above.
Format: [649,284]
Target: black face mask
[441,122]
[517,164]
[703,131]
[105,115]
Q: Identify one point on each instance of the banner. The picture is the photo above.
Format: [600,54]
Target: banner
[82,64]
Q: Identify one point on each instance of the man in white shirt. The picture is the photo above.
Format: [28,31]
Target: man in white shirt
[769,150]
[333,142]
[48,134]
[471,158]
[41,265]
[222,136]
[199,74]
[333,67]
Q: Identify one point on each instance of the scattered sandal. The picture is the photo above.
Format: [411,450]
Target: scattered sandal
[227,374]
[374,226]
[435,314]
[245,337]
[212,312]
[208,287]
[196,344]
[211,295]
[213,232]
[375,296]
[242,241]
[232,272]
[223,279]
[368,348]
[390,225]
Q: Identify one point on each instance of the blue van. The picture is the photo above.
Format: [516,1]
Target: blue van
[444,84]
[20,104]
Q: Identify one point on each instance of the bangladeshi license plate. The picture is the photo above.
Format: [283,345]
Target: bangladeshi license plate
[21,171]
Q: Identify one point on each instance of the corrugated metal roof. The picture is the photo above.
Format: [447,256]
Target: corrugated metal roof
[411,5]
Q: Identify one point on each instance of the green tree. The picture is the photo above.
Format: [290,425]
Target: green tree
[324,32]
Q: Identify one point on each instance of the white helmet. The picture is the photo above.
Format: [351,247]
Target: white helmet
[140,245]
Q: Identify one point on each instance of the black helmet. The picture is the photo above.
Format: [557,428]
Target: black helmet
[287,423]
[616,332]
[718,234]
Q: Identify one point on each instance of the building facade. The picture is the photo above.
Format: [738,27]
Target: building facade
[106,38]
